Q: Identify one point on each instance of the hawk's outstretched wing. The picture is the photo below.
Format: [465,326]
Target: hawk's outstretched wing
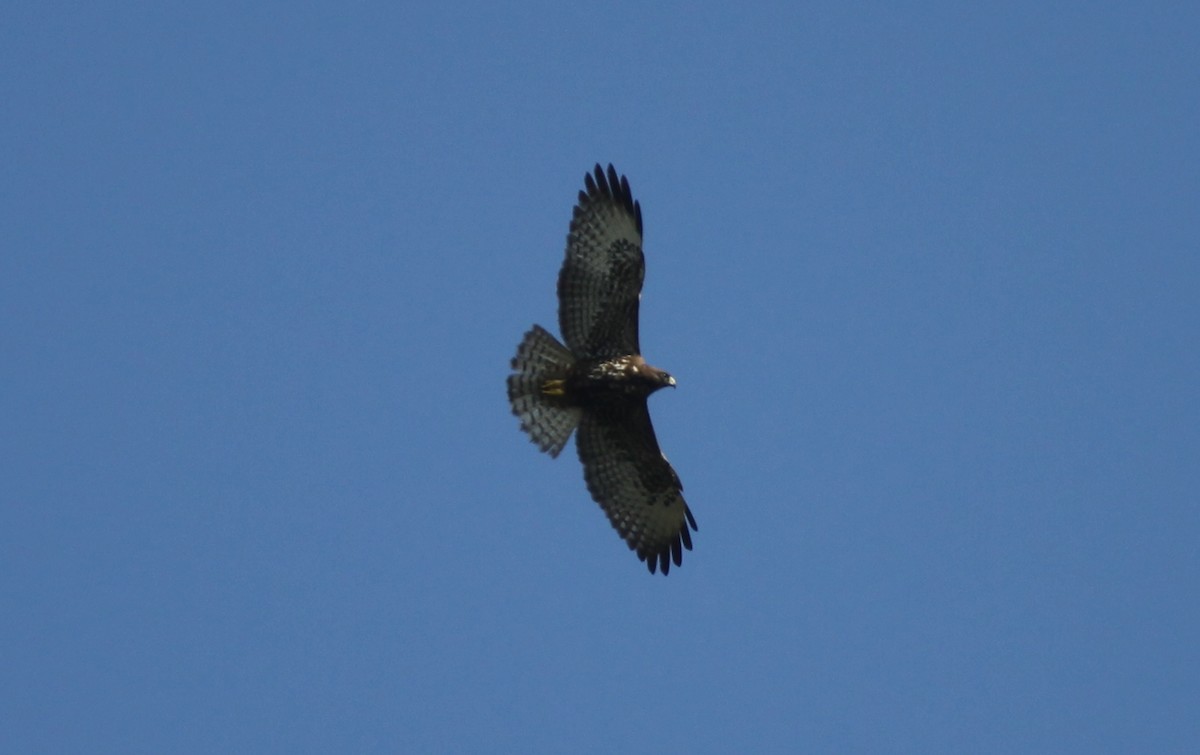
[634,483]
[601,278]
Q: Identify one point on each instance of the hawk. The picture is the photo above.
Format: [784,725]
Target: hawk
[597,384]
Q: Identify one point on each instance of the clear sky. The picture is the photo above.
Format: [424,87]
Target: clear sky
[928,278]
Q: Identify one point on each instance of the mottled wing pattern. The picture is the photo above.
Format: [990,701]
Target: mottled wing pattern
[632,481]
[601,278]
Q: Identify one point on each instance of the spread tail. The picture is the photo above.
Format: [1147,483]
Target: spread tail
[536,388]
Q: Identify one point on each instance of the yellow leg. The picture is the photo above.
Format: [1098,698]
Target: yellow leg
[554,387]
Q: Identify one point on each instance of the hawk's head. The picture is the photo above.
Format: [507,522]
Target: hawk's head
[627,375]
[658,378]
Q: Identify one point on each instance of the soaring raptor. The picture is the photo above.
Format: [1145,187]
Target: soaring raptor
[598,383]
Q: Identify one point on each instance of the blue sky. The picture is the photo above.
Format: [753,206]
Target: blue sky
[927,277]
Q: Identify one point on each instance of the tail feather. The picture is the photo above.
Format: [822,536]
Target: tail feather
[547,418]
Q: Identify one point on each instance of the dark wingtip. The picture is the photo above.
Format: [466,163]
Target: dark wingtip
[608,183]
[596,182]
[660,561]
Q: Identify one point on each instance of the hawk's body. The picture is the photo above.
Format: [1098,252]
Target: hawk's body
[598,383]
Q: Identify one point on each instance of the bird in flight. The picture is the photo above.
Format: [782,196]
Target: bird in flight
[597,384]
